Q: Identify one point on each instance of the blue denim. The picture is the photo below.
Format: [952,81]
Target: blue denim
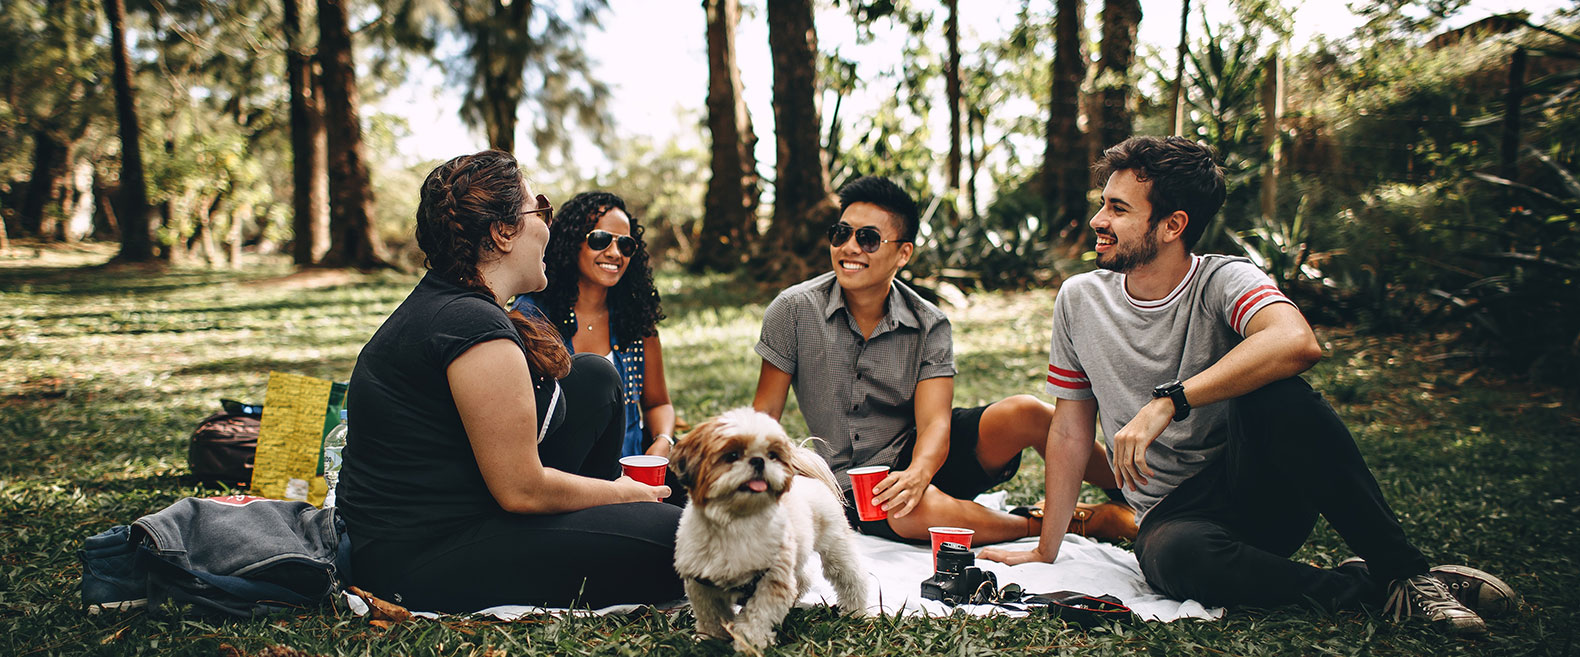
[111,576]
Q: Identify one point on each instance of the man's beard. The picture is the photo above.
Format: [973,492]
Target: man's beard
[1127,260]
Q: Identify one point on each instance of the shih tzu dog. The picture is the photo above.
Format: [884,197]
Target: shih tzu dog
[760,505]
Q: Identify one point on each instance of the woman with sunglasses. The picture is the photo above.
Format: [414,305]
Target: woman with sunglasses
[601,298]
[482,467]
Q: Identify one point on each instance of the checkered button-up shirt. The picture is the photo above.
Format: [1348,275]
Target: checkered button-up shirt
[857,394]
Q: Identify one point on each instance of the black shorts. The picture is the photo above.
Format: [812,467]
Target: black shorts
[961,477]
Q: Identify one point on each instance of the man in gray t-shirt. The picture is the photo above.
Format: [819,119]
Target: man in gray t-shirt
[1192,362]
[872,364]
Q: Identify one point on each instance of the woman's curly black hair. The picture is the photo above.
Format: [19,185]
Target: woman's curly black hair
[633,302]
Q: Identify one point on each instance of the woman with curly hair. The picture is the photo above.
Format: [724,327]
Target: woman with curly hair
[601,298]
[481,467]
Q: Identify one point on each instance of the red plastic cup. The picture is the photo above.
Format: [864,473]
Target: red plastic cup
[645,468]
[942,535]
[861,482]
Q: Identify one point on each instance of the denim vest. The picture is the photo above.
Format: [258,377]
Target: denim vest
[629,361]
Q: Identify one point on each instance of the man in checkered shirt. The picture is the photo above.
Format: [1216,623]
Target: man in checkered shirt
[872,364]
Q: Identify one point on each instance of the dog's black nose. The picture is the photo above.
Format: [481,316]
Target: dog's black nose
[757,463]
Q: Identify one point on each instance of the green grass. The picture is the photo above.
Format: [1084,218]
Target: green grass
[105,370]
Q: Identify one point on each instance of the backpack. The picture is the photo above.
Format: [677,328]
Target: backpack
[223,445]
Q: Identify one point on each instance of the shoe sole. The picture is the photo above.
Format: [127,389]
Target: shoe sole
[1503,603]
[122,605]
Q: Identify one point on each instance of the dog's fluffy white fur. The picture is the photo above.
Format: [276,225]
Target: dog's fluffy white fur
[759,506]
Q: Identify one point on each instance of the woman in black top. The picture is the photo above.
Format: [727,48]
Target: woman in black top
[472,477]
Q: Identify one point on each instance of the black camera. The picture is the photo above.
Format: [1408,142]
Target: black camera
[956,580]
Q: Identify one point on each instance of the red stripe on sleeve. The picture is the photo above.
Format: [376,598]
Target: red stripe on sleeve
[1248,301]
[1070,385]
[1068,374]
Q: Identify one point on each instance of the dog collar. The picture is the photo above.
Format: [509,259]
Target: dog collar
[745,590]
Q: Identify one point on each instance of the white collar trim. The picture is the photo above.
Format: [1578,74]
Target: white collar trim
[1176,293]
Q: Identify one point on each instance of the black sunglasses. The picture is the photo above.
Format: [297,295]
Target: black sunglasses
[867,237]
[599,240]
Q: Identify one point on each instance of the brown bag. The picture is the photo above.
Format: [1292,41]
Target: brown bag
[223,446]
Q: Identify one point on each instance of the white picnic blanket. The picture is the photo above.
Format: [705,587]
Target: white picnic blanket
[897,571]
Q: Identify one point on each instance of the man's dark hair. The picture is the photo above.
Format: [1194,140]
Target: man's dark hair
[1185,176]
[883,193]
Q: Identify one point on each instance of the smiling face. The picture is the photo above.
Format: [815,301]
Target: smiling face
[607,266]
[1126,238]
[735,464]
[532,235]
[858,270]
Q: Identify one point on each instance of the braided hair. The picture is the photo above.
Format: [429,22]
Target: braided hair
[461,201]
[633,302]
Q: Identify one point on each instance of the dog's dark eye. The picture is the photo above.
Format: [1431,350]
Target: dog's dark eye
[773,455]
[731,457]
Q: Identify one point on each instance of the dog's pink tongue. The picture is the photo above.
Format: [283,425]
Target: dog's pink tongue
[757,485]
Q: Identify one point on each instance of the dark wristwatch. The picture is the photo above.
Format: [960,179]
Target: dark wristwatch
[1175,391]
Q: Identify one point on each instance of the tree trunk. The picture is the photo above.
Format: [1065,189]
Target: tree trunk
[1272,116]
[77,216]
[240,215]
[1176,107]
[105,225]
[729,220]
[1121,18]
[1065,179]
[136,241]
[205,209]
[952,92]
[976,140]
[803,204]
[310,216]
[44,187]
[1509,154]
[354,240]
[500,49]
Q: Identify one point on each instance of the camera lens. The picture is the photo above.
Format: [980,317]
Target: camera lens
[954,558]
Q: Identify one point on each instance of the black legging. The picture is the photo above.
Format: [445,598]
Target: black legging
[1224,537]
[605,555]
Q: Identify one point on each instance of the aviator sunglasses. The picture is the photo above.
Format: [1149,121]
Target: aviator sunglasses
[867,237]
[599,240]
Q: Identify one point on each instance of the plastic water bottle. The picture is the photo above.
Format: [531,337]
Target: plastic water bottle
[333,443]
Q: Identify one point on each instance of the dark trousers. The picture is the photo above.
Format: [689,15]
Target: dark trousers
[605,555]
[1224,537]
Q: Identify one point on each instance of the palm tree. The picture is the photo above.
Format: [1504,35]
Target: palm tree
[1121,18]
[1064,177]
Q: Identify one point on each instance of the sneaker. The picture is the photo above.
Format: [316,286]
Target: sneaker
[112,579]
[1484,594]
[1426,597]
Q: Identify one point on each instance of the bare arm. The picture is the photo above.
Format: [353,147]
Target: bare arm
[900,492]
[491,384]
[658,414]
[1278,344]
[1070,441]
[773,388]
